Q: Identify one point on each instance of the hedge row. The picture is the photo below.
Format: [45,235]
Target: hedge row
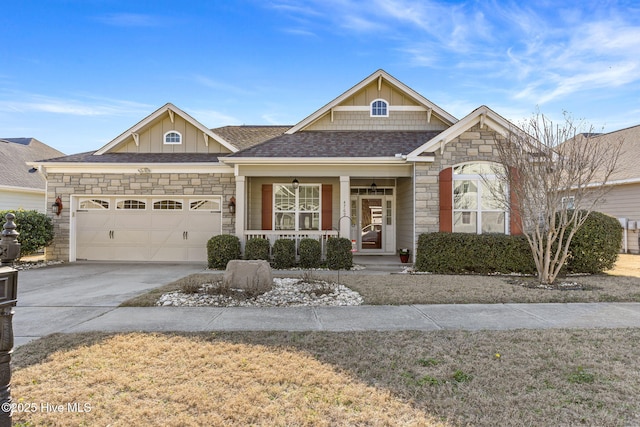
[455,253]
[593,249]
[224,248]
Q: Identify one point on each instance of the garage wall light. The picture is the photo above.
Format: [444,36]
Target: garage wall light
[232,205]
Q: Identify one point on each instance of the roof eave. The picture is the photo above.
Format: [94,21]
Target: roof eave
[314,160]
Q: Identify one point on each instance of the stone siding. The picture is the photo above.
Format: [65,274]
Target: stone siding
[473,145]
[178,184]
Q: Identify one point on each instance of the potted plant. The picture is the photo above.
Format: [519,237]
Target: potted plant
[404,255]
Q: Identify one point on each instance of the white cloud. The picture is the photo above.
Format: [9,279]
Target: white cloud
[90,106]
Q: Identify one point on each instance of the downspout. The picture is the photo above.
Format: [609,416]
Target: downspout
[413,236]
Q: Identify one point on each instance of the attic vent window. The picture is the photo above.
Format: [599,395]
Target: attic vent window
[379,108]
[172,137]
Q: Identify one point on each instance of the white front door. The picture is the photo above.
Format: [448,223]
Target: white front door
[373,223]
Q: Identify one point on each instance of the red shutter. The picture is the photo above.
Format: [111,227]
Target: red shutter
[327,212]
[267,206]
[446,200]
[515,222]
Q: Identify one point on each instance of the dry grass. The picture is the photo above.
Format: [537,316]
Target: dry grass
[148,379]
[551,377]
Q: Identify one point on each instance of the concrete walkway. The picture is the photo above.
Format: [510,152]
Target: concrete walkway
[83,297]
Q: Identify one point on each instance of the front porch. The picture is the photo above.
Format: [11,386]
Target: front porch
[375,213]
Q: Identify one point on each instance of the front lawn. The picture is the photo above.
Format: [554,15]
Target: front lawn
[486,378]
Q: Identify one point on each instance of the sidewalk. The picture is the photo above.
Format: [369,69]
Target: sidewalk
[472,317]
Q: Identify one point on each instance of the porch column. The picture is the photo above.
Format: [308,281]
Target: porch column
[241,201]
[345,207]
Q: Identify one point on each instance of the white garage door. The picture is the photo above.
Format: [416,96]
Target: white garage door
[141,228]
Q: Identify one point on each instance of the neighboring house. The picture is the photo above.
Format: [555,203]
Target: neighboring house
[21,187]
[380,164]
[623,198]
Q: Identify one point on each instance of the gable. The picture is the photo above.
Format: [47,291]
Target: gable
[147,136]
[483,117]
[151,139]
[407,109]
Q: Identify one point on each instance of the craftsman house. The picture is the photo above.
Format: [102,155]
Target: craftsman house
[380,164]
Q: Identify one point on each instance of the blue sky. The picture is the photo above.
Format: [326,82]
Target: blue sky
[77,73]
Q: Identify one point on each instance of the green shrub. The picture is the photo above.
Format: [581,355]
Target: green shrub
[257,248]
[284,253]
[455,253]
[221,249]
[339,254]
[35,228]
[596,245]
[310,253]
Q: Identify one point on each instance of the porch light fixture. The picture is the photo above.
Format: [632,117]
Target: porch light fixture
[56,207]
[374,187]
[295,183]
[232,205]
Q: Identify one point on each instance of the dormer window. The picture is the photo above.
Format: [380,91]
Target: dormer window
[379,108]
[172,137]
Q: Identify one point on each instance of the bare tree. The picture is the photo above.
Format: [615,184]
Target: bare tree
[556,175]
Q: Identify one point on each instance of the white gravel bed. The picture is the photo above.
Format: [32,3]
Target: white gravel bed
[288,292]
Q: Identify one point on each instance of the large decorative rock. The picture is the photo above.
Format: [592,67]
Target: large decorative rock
[250,275]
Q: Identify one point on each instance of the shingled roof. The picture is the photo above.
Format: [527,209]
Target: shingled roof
[247,136]
[339,144]
[14,153]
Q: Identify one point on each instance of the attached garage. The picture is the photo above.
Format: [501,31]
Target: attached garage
[145,228]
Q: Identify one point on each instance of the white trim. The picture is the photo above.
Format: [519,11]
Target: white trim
[355,108]
[615,182]
[386,108]
[321,160]
[207,168]
[22,189]
[164,138]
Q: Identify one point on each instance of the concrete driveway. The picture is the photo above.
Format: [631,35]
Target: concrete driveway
[54,298]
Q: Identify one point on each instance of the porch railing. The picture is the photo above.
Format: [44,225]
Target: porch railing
[272,235]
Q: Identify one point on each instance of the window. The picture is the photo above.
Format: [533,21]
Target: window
[379,108]
[172,137]
[296,209]
[167,205]
[568,202]
[205,204]
[478,199]
[93,204]
[131,204]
